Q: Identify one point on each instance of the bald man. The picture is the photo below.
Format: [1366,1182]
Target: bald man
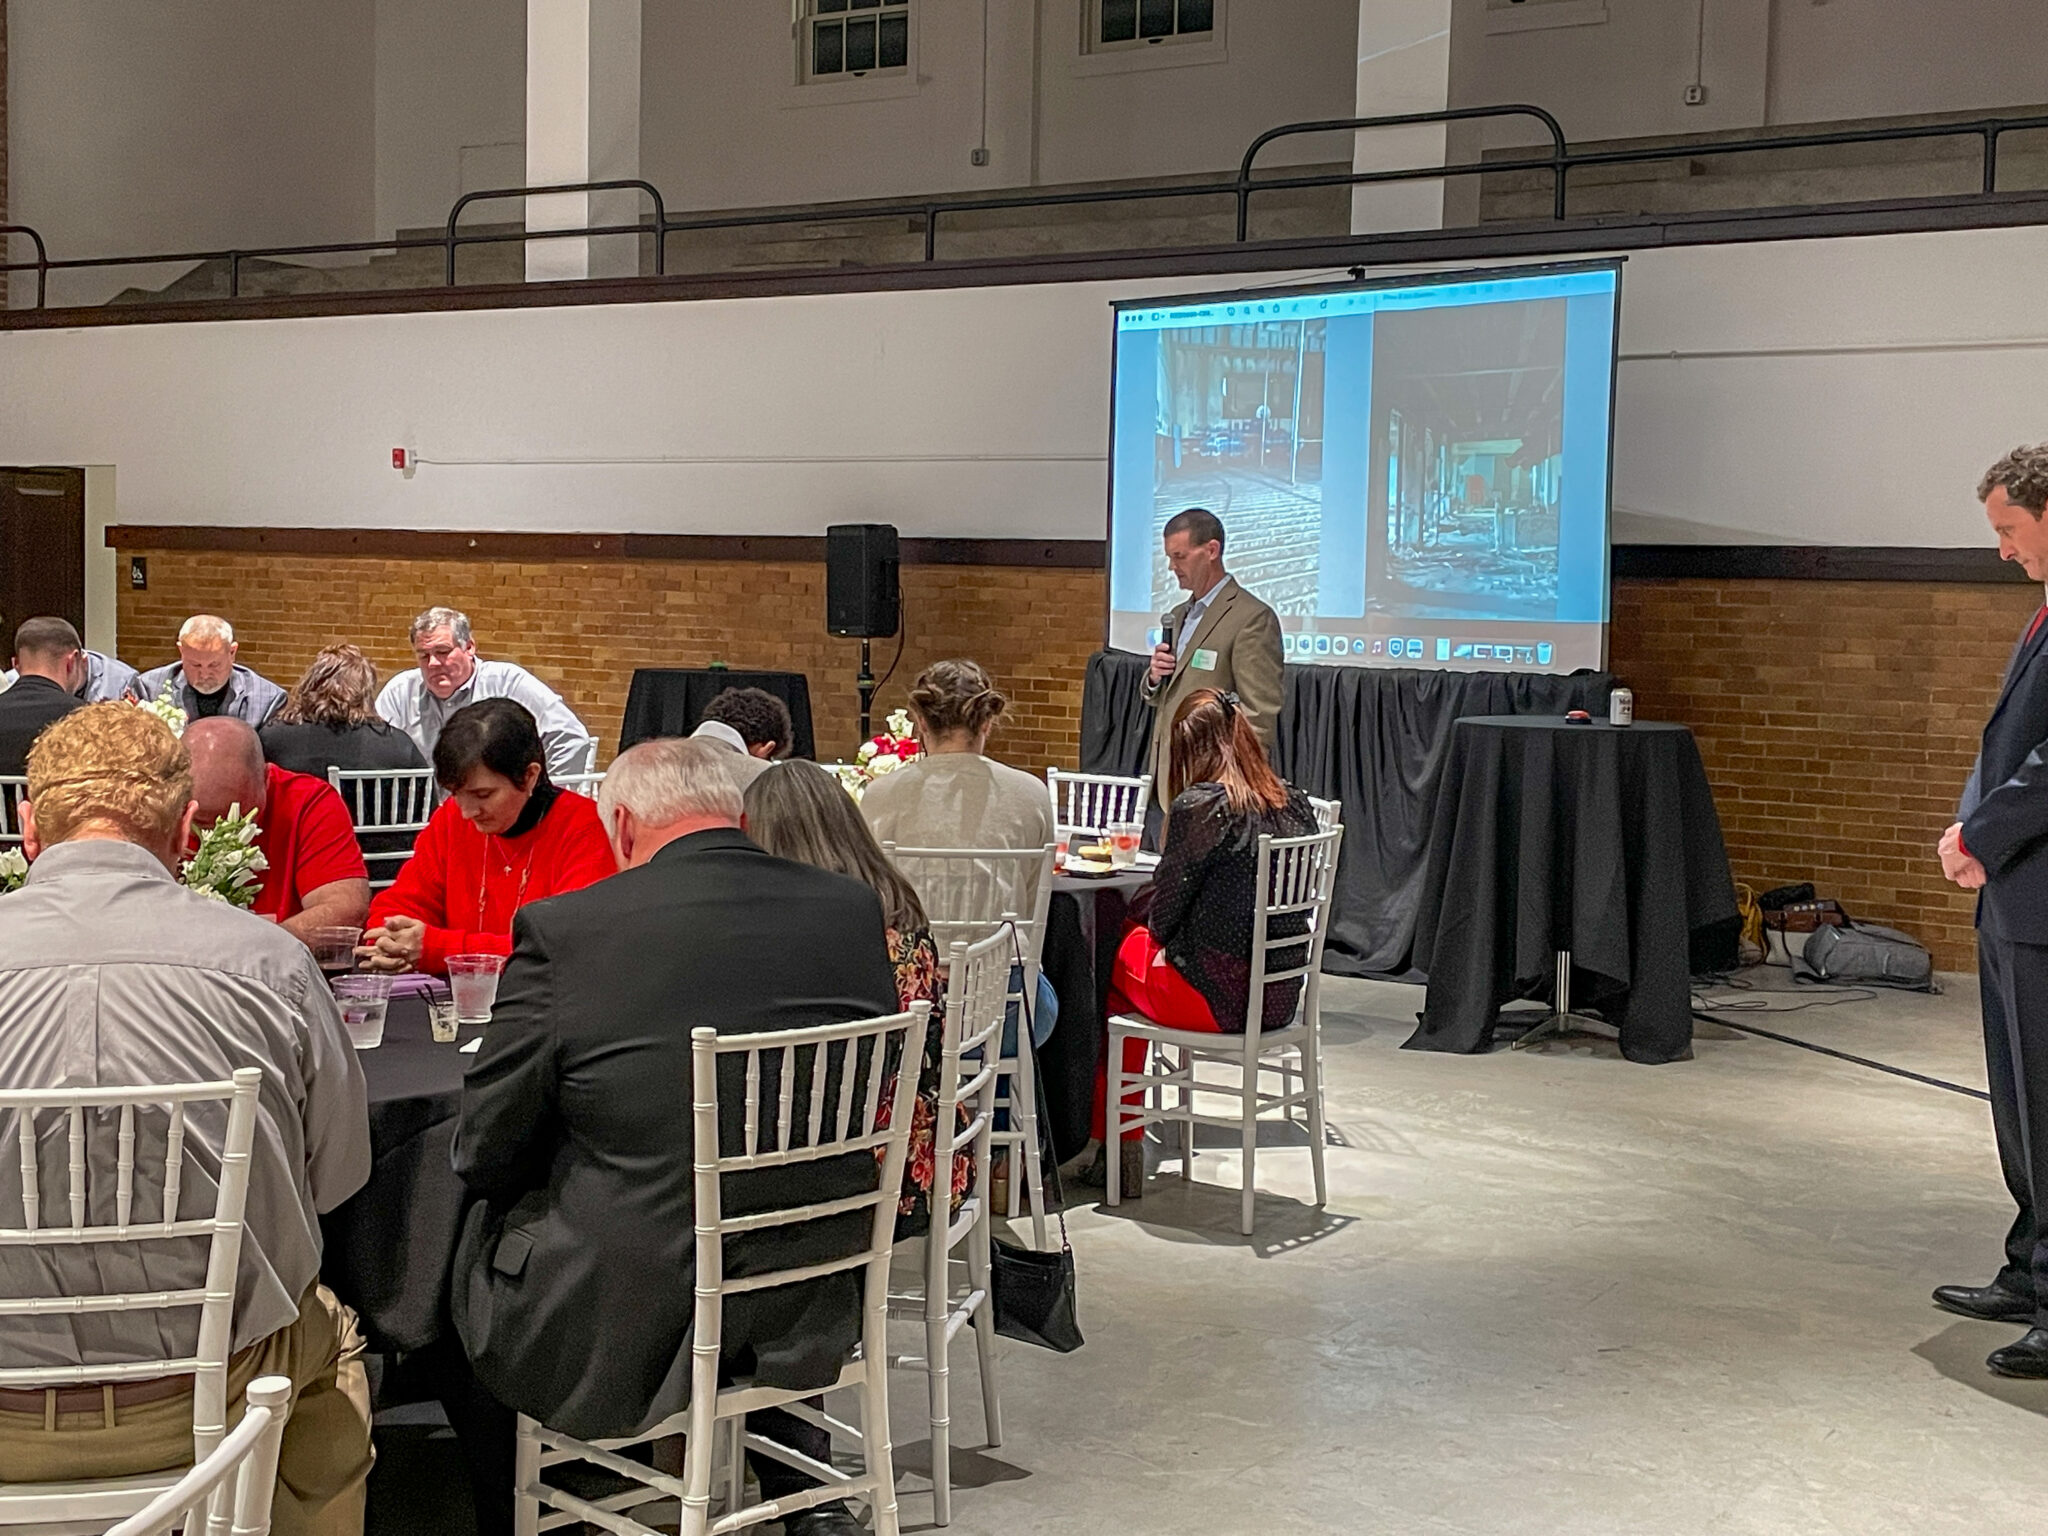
[316,878]
[206,680]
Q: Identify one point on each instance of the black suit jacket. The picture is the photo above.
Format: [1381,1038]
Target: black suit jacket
[573,1281]
[2005,808]
[31,704]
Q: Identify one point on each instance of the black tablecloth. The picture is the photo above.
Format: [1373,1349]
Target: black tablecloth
[1374,738]
[1083,927]
[670,701]
[1598,840]
[391,1246]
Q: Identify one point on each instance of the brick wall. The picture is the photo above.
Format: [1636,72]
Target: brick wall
[1838,721]
[585,627]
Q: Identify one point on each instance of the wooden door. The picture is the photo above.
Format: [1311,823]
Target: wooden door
[42,547]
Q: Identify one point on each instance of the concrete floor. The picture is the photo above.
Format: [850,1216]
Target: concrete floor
[1552,1292]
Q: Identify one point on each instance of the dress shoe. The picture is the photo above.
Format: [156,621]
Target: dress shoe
[1992,1303]
[825,1520]
[2027,1359]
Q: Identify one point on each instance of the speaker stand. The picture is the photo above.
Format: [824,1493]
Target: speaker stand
[866,684]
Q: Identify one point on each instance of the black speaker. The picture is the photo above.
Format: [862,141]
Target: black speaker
[861,595]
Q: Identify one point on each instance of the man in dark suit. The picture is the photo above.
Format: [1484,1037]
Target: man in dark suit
[573,1283]
[51,660]
[1998,847]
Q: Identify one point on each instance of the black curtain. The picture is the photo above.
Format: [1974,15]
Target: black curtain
[1373,738]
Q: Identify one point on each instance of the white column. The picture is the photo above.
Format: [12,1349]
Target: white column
[582,124]
[1404,65]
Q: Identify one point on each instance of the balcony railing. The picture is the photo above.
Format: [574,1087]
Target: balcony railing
[1560,161]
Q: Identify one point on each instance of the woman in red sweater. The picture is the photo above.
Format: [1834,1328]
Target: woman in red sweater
[504,837]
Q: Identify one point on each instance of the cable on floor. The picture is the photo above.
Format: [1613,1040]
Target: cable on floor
[1718,1015]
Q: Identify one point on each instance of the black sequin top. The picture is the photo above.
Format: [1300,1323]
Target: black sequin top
[1202,898]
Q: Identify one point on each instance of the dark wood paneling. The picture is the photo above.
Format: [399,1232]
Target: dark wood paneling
[1807,562]
[438,544]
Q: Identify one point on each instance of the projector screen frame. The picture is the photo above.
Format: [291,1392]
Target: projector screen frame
[1363,280]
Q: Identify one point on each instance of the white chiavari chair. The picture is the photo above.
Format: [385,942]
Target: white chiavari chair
[1329,813]
[157,1181]
[242,1472]
[1092,803]
[1296,877]
[977,989]
[810,1095]
[968,893]
[389,806]
[13,790]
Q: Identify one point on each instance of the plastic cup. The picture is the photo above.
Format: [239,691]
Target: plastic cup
[441,1018]
[1124,838]
[474,981]
[364,1000]
[335,948]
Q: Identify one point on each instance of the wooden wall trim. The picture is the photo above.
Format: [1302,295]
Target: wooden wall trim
[1806,562]
[457,544]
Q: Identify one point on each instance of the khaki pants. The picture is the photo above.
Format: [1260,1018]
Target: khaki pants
[325,1461]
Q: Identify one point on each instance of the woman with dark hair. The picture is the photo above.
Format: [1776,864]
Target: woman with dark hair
[1188,963]
[328,720]
[797,811]
[505,836]
[954,795]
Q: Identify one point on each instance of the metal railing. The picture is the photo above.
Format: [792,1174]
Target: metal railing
[1560,162]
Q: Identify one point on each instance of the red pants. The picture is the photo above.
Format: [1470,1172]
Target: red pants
[1143,981]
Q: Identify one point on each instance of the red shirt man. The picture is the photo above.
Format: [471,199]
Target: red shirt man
[308,838]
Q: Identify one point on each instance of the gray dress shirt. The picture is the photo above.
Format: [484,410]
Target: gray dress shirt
[252,698]
[112,975]
[106,679]
[407,704]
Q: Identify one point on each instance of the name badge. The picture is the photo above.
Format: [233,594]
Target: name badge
[1204,659]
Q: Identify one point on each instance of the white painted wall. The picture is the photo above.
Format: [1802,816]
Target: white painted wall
[1844,392]
[1619,68]
[187,125]
[450,107]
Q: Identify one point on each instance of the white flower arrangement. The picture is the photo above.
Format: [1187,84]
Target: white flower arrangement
[166,709]
[885,753]
[227,865]
[13,870]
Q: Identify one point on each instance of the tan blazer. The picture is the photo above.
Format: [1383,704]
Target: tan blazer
[1241,635]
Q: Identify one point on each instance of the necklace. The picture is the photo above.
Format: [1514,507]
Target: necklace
[493,845]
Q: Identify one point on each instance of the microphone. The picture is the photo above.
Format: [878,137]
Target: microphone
[1166,627]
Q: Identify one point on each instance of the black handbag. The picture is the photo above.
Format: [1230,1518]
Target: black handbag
[1033,1293]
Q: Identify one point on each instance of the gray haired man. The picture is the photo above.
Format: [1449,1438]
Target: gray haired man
[206,680]
[450,674]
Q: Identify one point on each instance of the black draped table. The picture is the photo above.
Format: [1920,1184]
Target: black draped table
[1595,839]
[670,701]
[1373,738]
[1083,926]
[391,1246]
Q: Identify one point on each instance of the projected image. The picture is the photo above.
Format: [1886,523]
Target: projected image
[1241,433]
[1412,473]
[1468,430]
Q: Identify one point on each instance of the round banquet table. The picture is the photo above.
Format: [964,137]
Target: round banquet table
[390,1248]
[1598,840]
[1083,926]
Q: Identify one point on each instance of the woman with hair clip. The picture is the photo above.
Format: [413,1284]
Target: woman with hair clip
[505,836]
[1187,964]
[798,813]
[954,795]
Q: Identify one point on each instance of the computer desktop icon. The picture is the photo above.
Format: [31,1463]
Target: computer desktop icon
[1286,645]
[1482,653]
[1379,648]
[1415,650]
[1322,645]
[1443,649]
[1543,653]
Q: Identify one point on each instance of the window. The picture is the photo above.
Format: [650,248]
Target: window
[1144,23]
[844,39]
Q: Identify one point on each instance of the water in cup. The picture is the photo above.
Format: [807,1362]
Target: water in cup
[473,979]
[363,1001]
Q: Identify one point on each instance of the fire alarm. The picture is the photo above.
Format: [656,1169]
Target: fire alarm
[405,461]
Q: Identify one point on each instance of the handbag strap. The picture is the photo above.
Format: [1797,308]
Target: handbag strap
[1027,1040]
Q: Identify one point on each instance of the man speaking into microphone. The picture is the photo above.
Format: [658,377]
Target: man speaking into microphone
[1221,637]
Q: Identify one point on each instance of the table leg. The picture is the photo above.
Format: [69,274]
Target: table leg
[1560,1019]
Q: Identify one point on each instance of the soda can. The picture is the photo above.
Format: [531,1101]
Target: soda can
[1621,707]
